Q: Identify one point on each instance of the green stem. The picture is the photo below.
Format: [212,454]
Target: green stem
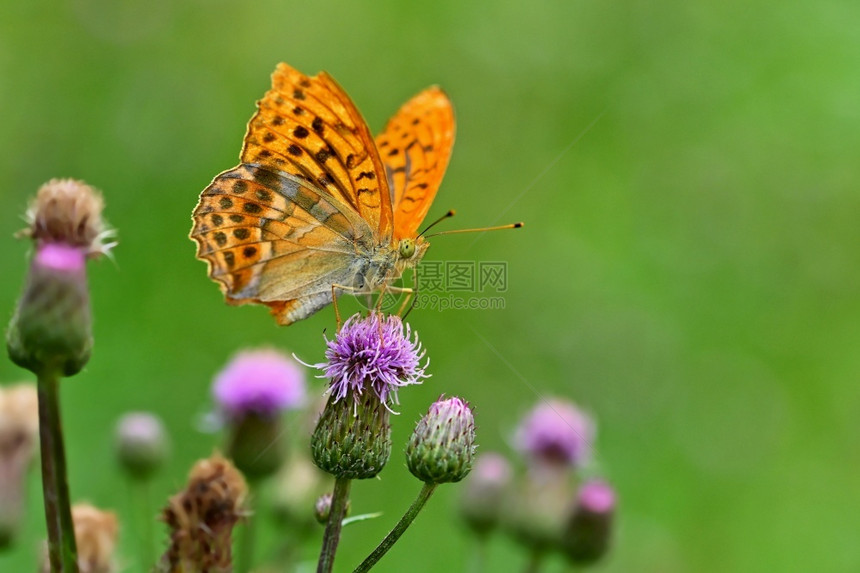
[247,541]
[246,546]
[535,561]
[479,555]
[142,508]
[62,550]
[331,537]
[398,530]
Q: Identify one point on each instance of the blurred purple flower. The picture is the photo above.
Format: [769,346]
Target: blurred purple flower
[556,432]
[596,496]
[588,532]
[262,382]
[375,352]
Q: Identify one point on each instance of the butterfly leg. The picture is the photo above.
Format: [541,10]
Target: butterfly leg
[410,296]
[334,288]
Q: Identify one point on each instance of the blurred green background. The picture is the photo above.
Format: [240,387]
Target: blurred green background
[688,175]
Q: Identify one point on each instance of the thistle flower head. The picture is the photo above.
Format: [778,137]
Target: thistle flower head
[375,353]
[443,443]
[68,212]
[556,432]
[587,535]
[202,516]
[52,326]
[262,382]
[141,443]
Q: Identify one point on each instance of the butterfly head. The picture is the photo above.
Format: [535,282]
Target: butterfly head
[411,250]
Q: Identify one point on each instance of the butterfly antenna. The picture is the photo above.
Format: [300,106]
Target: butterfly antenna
[479,230]
[447,215]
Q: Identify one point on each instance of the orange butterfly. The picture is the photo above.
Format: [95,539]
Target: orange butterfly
[316,205]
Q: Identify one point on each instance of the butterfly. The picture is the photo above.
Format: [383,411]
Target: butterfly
[317,206]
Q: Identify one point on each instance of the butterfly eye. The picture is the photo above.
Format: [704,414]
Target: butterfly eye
[407,248]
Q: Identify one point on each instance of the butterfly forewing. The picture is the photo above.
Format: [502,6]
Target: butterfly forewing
[308,126]
[415,148]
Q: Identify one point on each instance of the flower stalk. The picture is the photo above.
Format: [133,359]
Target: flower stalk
[62,549]
[331,537]
[402,525]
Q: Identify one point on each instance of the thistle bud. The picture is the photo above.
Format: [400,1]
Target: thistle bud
[51,327]
[587,535]
[19,433]
[352,438]
[369,359]
[201,518]
[96,533]
[485,492]
[252,392]
[141,444]
[443,443]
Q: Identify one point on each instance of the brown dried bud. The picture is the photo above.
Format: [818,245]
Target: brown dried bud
[69,212]
[96,533]
[201,518]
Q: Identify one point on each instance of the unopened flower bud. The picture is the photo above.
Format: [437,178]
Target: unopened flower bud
[96,533]
[52,325]
[141,443]
[587,535]
[443,443]
[19,434]
[485,492]
[252,392]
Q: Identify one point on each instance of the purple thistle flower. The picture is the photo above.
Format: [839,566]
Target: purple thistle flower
[556,432]
[262,382]
[375,352]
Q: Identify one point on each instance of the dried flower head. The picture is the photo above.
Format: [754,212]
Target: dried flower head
[96,533]
[19,434]
[68,212]
[262,381]
[443,443]
[375,353]
[202,516]
[556,432]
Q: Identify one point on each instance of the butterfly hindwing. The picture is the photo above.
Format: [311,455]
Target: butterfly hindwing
[415,148]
